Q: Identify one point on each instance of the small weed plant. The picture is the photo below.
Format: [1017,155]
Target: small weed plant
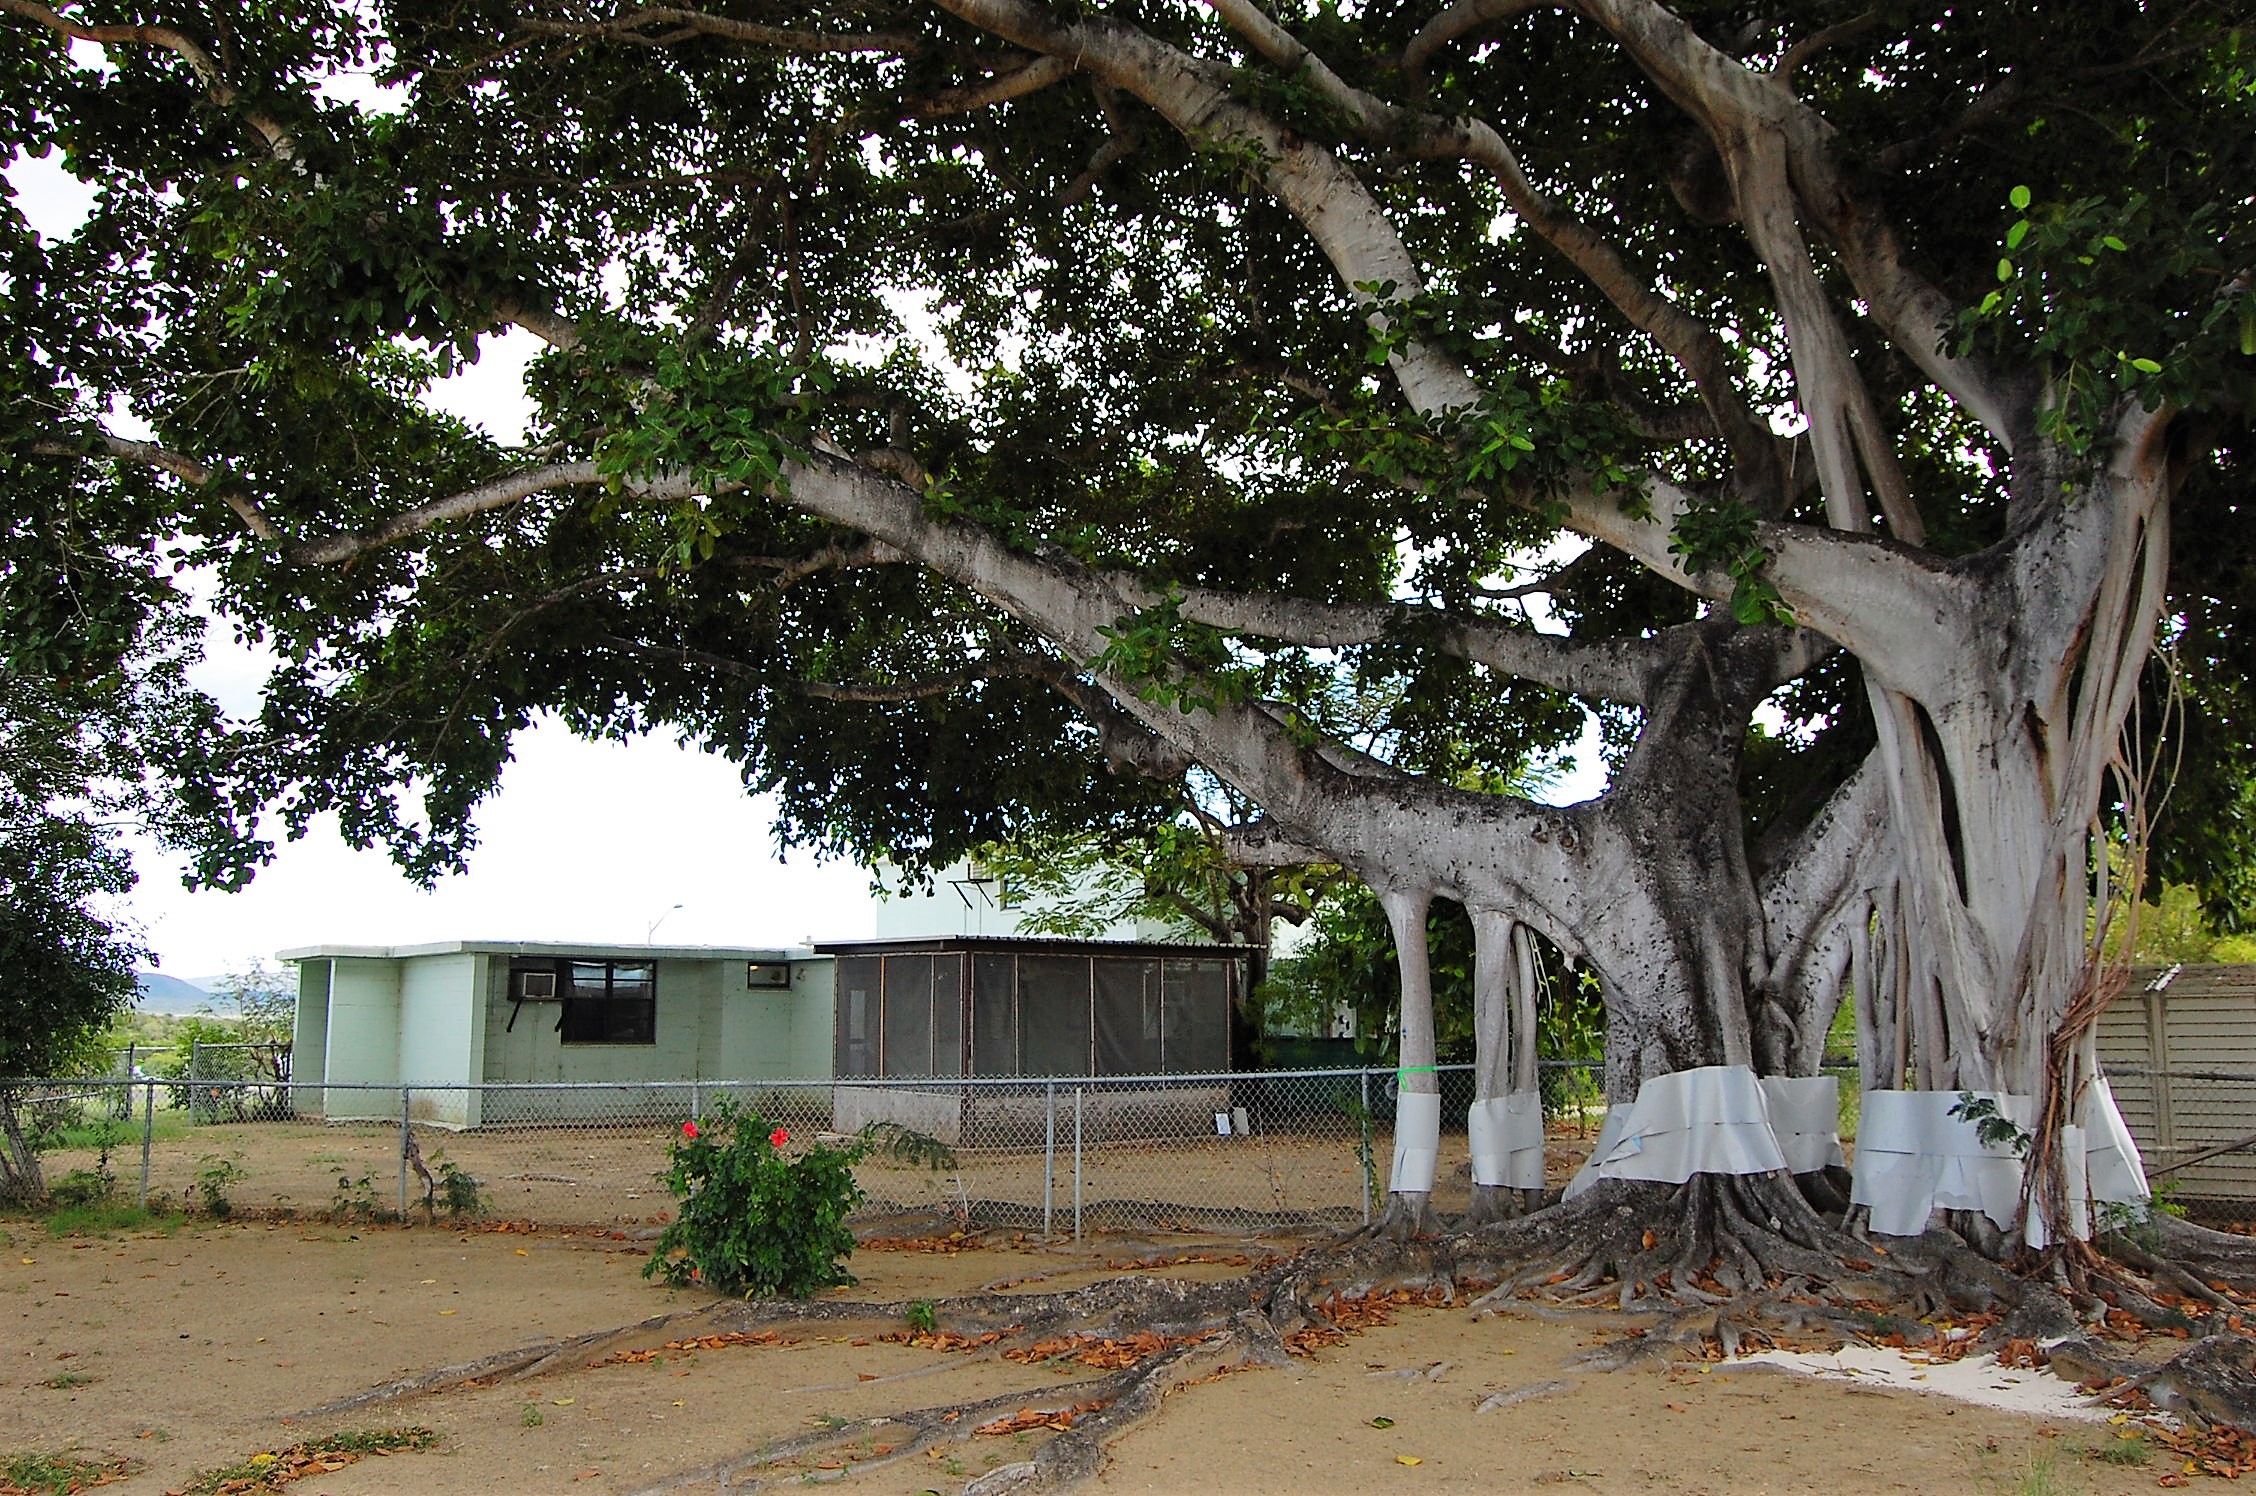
[460,1193]
[213,1181]
[755,1218]
[112,1217]
[355,1200]
[60,1474]
[272,1469]
[81,1188]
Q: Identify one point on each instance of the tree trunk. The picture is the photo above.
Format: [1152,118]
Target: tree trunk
[20,1179]
[1985,966]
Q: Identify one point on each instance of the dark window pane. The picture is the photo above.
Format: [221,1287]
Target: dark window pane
[1128,1019]
[1053,1015]
[947,1015]
[908,1016]
[857,1015]
[994,1015]
[603,1009]
[1196,1017]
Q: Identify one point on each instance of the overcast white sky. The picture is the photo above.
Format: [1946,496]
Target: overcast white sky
[584,842]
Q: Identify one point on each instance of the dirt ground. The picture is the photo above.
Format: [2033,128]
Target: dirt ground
[202,1348]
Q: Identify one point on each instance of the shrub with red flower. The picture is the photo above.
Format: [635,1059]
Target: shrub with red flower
[755,1220]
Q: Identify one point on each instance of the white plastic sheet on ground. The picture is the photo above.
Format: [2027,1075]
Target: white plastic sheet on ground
[1417,1140]
[1712,1120]
[1805,1112]
[1505,1134]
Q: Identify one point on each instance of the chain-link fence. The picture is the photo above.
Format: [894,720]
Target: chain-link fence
[2197,1131]
[1247,1151]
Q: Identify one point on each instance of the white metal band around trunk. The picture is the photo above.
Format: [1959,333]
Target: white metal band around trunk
[1712,1120]
[1505,1134]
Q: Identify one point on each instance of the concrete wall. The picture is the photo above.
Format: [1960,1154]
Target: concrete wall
[710,1026]
[441,1043]
[309,1046]
[781,1033]
[364,1037]
[441,1022]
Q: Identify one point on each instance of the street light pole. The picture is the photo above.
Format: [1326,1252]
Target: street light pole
[652,929]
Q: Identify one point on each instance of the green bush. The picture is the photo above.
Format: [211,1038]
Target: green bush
[754,1219]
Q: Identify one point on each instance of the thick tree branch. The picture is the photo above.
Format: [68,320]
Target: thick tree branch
[924,688]
[200,62]
[1611,670]
[1735,104]
[632,27]
[1348,223]
[557,332]
[791,570]
[185,468]
[1032,75]
[1820,41]
[1463,19]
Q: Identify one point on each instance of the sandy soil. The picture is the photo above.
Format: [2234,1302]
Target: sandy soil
[607,1175]
[198,1349]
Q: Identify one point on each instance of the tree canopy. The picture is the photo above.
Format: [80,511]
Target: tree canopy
[946,407]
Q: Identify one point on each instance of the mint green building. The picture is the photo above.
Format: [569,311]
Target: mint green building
[450,1016]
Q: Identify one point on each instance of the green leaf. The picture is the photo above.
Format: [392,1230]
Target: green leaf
[2019,197]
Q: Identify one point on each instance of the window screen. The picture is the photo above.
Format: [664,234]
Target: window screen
[1127,1017]
[857,1015]
[908,1016]
[1196,1016]
[1053,1015]
[994,1015]
[947,1015]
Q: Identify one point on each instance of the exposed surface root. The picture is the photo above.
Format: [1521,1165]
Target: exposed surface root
[528,1360]
[1703,1271]
[1084,1415]
[2213,1379]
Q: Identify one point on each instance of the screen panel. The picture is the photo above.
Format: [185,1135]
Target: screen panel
[1053,1013]
[1127,1016]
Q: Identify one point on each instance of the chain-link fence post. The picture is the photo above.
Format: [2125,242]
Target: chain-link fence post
[696,1102]
[1077,1095]
[148,1131]
[1049,1150]
[406,1141]
[1363,1160]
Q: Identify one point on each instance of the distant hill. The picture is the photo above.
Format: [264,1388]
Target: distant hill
[163,994]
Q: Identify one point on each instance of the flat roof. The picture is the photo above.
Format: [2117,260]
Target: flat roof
[594,950]
[1038,944]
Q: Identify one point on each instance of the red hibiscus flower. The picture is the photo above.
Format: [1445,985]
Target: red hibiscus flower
[689,1129]
[778,1138]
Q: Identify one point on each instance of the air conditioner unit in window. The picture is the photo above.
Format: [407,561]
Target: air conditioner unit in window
[536,986]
